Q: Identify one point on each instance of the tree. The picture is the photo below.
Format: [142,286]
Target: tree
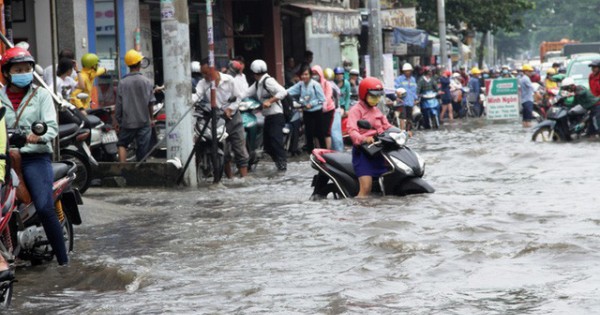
[479,15]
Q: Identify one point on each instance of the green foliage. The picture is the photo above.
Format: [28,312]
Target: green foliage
[479,15]
[553,20]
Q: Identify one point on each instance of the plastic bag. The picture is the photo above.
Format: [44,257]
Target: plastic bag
[337,142]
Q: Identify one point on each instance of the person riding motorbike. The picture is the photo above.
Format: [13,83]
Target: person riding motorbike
[584,97]
[594,77]
[26,103]
[85,80]
[366,167]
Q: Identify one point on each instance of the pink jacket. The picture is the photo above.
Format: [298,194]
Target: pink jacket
[373,115]
[327,90]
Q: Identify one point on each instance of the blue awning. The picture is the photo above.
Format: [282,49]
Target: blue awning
[410,36]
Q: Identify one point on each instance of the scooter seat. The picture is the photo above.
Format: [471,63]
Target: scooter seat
[65,130]
[93,121]
[60,170]
[341,161]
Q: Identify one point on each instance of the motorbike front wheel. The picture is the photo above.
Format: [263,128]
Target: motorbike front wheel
[205,169]
[545,134]
[84,169]
[6,292]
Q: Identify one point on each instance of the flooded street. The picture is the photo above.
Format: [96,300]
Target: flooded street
[513,228]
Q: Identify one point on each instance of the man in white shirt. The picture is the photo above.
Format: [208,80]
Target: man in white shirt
[227,100]
[270,93]
[65,53]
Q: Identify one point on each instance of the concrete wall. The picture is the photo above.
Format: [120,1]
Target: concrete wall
[72,32]
[43,41]
[325,47]
[26,30]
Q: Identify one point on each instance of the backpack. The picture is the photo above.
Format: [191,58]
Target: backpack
[287,103]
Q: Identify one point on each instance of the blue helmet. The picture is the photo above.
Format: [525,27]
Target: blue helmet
[338,70]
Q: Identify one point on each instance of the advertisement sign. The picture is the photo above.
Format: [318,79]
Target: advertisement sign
[398,18]
[502,99]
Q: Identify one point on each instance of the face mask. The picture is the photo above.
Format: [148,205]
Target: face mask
[316,78]
[21,79]
[347,68]
[373,100]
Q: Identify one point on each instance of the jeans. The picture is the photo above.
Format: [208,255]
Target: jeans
[273,139]
[236,141]
[38,176]
[142,137]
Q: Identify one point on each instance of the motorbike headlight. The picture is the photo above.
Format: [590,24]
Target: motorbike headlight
[243,107]
[402,166]
[399,137]
[421,162]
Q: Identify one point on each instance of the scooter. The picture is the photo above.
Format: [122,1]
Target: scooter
[254,123]
[22,234]
[293,130]
[203,143]
[74,132]
[563,123]
[430,108]
[336,173]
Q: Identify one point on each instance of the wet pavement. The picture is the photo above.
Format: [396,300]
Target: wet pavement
[512,229]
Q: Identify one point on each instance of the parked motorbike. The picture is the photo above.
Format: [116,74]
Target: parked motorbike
[203,142]
[336,173]
[430,110]
[103,139]
[293,131]
[253,122]
[21,232]
[74,133]
[563,123]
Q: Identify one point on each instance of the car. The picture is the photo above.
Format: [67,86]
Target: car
[578,68]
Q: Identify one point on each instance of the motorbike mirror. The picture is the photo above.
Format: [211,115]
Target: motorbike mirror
[145,63]
[39,128]
[364,124]
[82,96]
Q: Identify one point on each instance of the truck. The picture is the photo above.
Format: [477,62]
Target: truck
[580,48]
[551,47]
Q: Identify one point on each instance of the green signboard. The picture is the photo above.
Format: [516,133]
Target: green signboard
[502,100]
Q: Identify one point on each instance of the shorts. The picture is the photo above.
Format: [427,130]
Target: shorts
[142,136]
[366,165]
[527,111]
[406,112]
[328,121]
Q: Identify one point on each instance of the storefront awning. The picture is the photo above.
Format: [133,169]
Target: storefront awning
[410,36]
[328,20]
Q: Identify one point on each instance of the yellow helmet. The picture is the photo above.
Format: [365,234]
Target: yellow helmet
[551,71]
[133,57]
[527,67]
[328,73]
[475,70]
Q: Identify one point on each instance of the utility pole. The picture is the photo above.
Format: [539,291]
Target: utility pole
[177,74]
[213,91]
[375,39]
[441,11]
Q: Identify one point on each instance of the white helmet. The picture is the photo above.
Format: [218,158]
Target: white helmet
[568,81]
[401,92]
[195,67]
[407,67]
[258,66]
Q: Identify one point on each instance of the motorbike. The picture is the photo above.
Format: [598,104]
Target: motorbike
[563,123]
[293,130]
[103,138]
[74,133]
[430,110]
[21,232]
[203,142]
[253,122]
[335,172]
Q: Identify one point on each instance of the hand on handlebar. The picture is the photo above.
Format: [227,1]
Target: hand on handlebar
[35,139]
[369,140]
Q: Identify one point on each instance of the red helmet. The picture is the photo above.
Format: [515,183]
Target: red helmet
[16,55]
[236,66]
[369,85]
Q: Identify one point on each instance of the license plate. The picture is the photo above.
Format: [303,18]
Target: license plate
[110,137]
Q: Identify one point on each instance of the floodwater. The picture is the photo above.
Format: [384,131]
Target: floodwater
[513,228]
